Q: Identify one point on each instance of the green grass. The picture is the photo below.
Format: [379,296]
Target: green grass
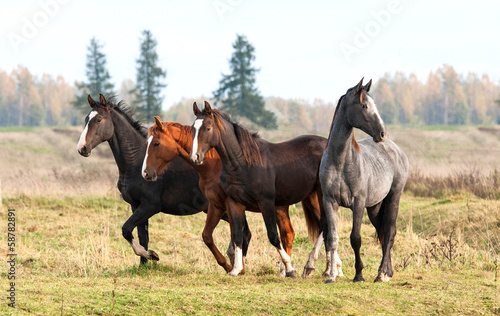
[72,260]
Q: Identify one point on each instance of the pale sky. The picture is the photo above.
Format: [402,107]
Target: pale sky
[305,49]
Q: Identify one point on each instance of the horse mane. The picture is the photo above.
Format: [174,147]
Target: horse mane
[186,137]
[248,141]
[126,111]
[354,142]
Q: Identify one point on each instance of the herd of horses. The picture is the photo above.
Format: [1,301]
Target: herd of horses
[218,167]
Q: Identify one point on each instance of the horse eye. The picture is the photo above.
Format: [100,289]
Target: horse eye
[156,144]
[208,129]
[99,120]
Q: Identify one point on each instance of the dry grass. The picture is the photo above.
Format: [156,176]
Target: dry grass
[473,181]
[71,257]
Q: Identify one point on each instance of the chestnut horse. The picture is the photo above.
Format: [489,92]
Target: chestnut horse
[169,139]
[257,175]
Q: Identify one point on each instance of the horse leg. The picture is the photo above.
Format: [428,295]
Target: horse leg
[390,209]
[330,234]
[247,235]
[238,217]
[287,234]
[357,216]
[309,268]
[268,211]
[213,217]
[139,218]
[143,234]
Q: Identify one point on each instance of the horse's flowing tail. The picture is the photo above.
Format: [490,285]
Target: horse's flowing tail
[312,216]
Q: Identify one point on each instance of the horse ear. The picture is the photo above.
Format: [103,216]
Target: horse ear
[208,108]
[360,85]
[196,109]
[368,85]
[91,101]
[102,99]
[159,124]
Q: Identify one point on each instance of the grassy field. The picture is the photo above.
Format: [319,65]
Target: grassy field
[72,259]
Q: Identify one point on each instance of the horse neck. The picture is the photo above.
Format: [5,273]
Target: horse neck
[127,144]
[341,143]
[230,151]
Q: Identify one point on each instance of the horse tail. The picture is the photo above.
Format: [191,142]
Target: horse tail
[312,220]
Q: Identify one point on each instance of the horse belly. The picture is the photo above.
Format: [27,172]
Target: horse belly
[378,188]
[294,187]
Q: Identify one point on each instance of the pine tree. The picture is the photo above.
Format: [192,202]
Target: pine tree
[149,79]
[236,91]
[98,77]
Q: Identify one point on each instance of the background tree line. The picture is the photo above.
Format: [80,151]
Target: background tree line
[445,98]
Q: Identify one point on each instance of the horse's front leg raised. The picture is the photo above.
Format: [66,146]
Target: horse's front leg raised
[139,218]
[143,234]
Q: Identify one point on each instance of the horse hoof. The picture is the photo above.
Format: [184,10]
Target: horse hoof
[233,273]
[308,272]
[153,255]
[340,273]
[292,274]
[358,279]
[382,277]
[330,280]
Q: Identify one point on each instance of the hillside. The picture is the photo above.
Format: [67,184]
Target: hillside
[44,161]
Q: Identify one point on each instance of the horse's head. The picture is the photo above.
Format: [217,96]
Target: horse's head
[98,126]
[161,149]
[362,112]
[205,133]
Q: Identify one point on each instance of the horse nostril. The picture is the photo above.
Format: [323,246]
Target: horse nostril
[382,135]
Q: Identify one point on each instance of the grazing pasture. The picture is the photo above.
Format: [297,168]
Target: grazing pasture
[72,258]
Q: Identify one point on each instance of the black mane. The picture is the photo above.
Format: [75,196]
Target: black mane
[127,112]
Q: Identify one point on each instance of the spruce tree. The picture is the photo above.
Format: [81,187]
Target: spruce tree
[98,77]
[150,78]
[237,93]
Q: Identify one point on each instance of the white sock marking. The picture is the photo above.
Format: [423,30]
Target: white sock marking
[83,136]
[238,261]
[138,249]
[286,259]
[197,125]
[150,139]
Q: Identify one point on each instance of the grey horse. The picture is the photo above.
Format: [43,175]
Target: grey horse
[370,174]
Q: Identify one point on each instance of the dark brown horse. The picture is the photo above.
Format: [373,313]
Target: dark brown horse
[169,139]
[176,192]
[257,175]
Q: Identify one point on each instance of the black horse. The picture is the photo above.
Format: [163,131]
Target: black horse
[176,192]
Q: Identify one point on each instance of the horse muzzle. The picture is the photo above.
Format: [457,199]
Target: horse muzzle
[149,176]
[195,159]
[83,151]
[381,137]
